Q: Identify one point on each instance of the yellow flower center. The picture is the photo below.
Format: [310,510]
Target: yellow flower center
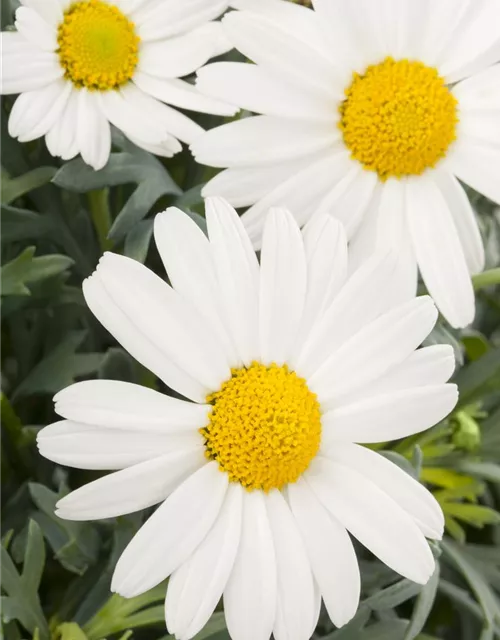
[398,118]
[98,46]
[264,428]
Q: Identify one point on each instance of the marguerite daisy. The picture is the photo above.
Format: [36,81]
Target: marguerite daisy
[285,366]
[85,64]
[372,110]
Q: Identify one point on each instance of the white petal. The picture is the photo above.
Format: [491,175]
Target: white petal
[475,45]
[166,18]
[427,366]
[476,164]
[35,112]
[123,109]
[325,245]
[362,299]
[250,595]
[439,253]
[283,280]
[84,446]
[168,320]
[166,148]
[35,29]
[122,405]
[182,55]
[243,186]
[181,94]
[172,533]
[93,132]
[374,349]
[464,219]
[25,66]
[389,416]
[302,192]
[373,518]
[237,271]
[447,16]
[50,10]
[187,256]
[415,499]
[138,487]
[61,139]
[240,143]
[196,587]
[267,44]
[132,337]
[480,93]
[295,609]
[331,554]
[257,89]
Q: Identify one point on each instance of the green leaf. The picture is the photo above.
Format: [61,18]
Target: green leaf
[70,631]
[351,631]
[486,279]
[13,188]
[134,166]
[21,224]
[138,240]
[476,345]
[452,527]
[479,378]
[27,269]
[60,367]
[75,544]
[423,606]
[393,596]
[21,602]
[473,514]
[486,470]
[387,630]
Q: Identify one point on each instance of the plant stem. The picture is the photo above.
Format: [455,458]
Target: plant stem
[486,279]
[101,216]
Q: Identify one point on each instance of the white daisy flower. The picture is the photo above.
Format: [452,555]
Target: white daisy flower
[286,366]
[372,110]
[81,66]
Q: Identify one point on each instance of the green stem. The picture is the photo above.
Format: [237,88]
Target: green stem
[486,279]
[101,216]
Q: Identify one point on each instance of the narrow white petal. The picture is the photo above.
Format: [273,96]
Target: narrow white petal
[267,44]
[250,595]
[196,587]
[295,609]
[187,256]
[168,320]
[172,533]
[61,139]
[237,271]
[25,66]
[362,299]
[240,143]
[407,492]
[180,93]
[283,281]
[464,219]
[427,366]
[479,93]
[325,245]
[331,554]
[447,16]
[122,405]
[374,349]
[34,28]
[257,89]
[373,518]
[93,133]
[476,164]
[166,18]
[84,446]
[35,112]
[439,253]
[50,10]
[166,148]
[137,342]
[138,487]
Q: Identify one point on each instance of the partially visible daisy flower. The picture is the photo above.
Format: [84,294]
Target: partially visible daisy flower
[286,368]
[81,66]
[372,110]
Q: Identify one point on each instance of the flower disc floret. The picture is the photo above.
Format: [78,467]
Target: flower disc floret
[399,118]
[98,45]
[264,428]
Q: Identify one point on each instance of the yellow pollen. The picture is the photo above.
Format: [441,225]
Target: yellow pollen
[264,428]
[398,118]
[98,46]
